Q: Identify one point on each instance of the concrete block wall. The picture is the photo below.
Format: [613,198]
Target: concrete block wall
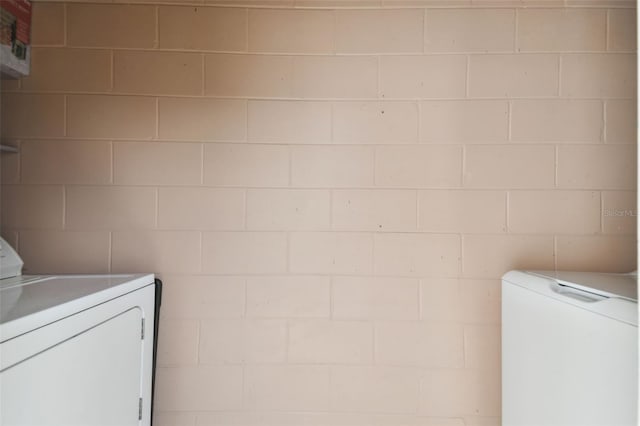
[330,189]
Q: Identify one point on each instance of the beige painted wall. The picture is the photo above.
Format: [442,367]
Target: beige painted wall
[330,195]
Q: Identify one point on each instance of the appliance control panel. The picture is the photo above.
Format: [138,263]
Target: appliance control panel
[10,262]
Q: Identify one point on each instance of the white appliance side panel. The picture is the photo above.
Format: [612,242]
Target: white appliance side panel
[563,365]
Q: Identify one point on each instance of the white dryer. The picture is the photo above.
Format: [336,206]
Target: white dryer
[569,349]
[76,349]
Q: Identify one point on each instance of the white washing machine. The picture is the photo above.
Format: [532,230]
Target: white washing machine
[569,349]
[75,349]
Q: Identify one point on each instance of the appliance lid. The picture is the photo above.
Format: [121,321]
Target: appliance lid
[607,294]
[28,302]
[621,286]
